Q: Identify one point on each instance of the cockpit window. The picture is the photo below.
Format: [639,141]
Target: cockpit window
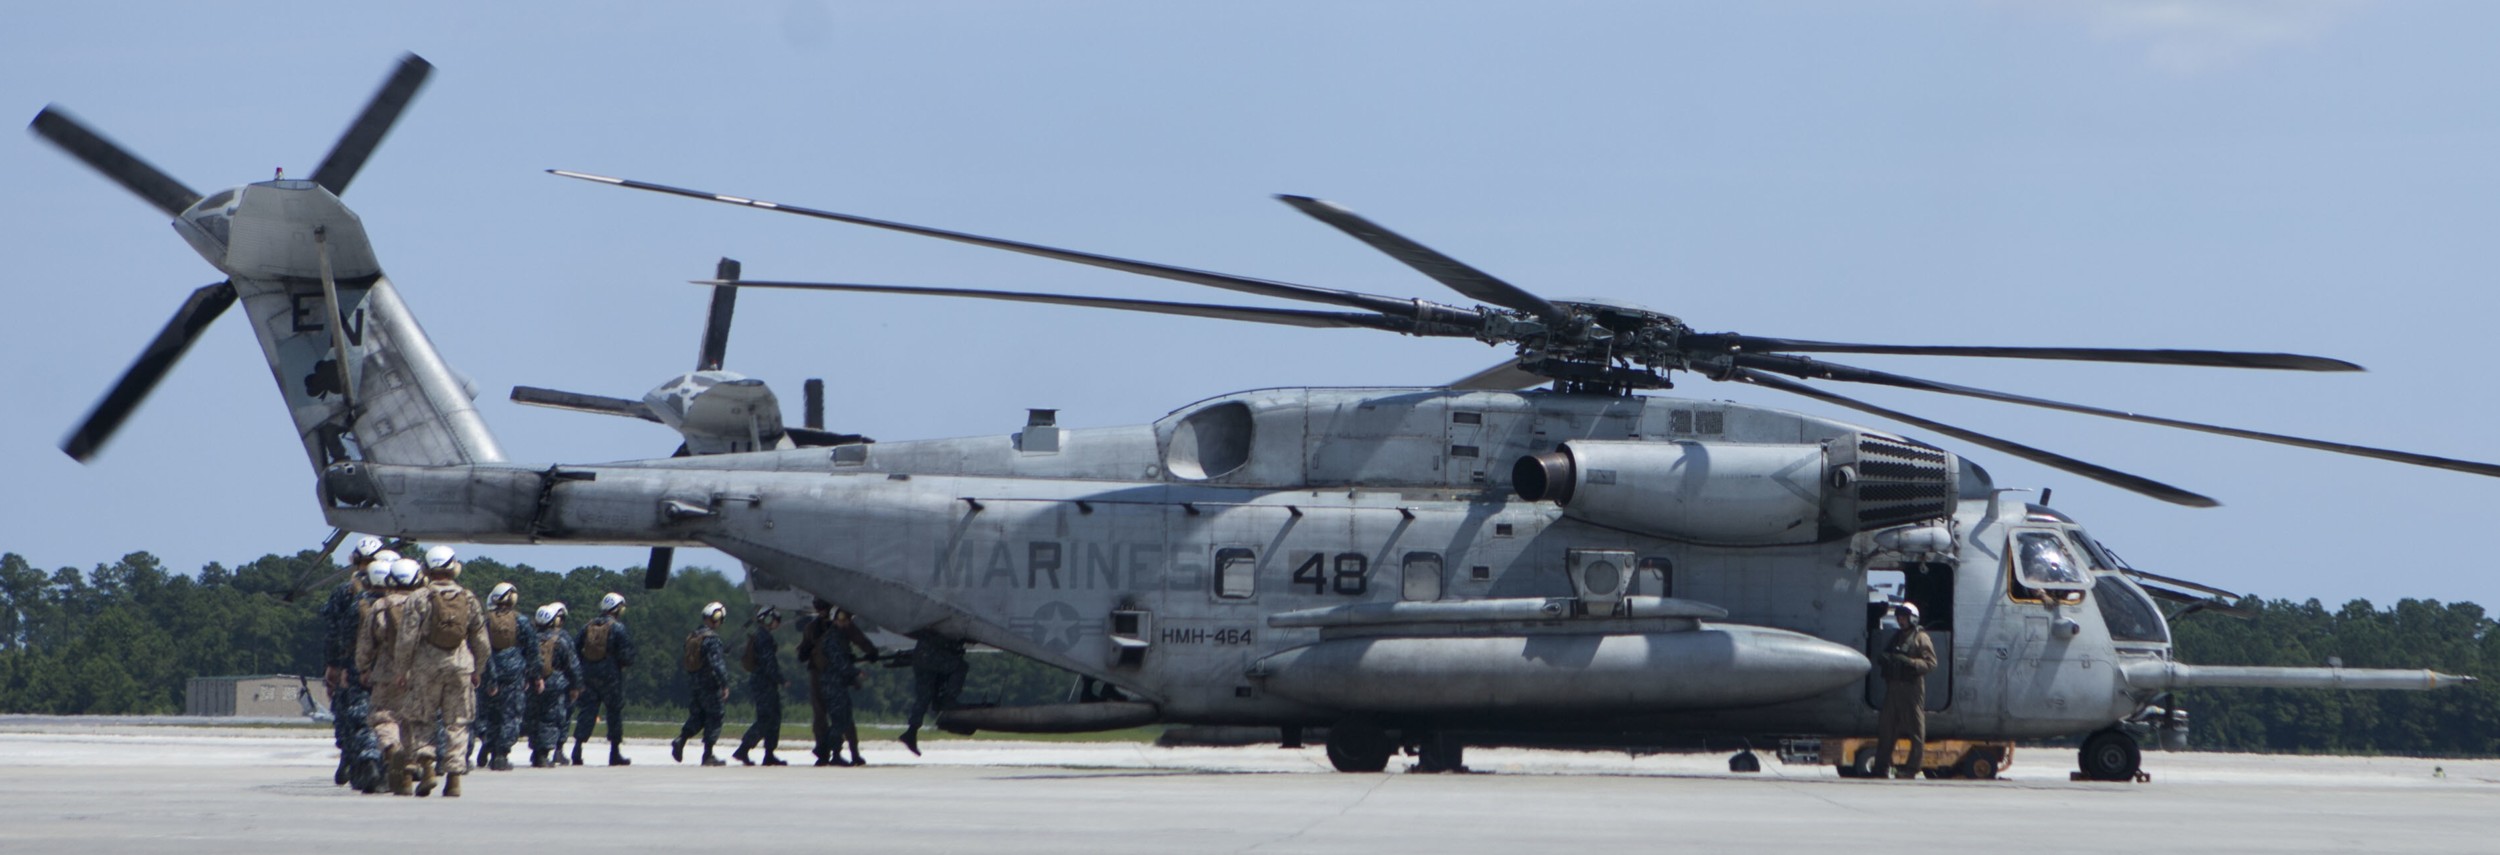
[2045,564]
[2128,613]
[2091,549]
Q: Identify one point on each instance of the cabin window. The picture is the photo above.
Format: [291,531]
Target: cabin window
[1236,573]
[2128,613]
[1422,579]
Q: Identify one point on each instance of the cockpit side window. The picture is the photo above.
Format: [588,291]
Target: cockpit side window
[2091,550]
[2041,562]
[2129,614]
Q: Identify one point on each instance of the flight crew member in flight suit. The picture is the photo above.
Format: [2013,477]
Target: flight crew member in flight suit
[1905,662]
[762,660]
[559,680]
[512,675]
[348,703]
[444,641]
[707,679]
[606,650]
[937,678]
[379,660]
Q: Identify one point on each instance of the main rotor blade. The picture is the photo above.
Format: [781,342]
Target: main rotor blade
[158,358]
[580,403]
[117,163]
[716,321]
[2212,358]
[1423,311]
[1258,314]
[1500,378]
[1461,278]
[1799,366]
[357,143]
[2096,472]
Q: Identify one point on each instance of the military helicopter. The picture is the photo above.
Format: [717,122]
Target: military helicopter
[1411,568]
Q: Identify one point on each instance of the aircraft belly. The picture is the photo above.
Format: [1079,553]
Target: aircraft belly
[1718,666]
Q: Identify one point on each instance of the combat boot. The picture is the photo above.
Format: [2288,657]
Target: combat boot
[677,749]
[425,781]
[709,760]
[740,755]
[502,762]
[340,777]
[538,758]
[911,740]
[451,786]
[399,780]
[617,757]
[770,760]
[577,752]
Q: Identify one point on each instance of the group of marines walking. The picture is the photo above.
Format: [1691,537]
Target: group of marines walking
[412,659]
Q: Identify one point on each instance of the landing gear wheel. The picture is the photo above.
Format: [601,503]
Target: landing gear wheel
[1977,766]
[1744,762]
[1359,745]
[1440,753]
[2110,755]
[1861,766]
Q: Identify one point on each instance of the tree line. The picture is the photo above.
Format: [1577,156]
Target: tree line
[123,638]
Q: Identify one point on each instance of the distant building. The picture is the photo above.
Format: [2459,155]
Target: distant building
[256,696]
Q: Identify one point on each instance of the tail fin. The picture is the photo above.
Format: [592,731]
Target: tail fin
[398,402]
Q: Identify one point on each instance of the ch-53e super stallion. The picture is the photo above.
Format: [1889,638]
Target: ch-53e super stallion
[1407,567]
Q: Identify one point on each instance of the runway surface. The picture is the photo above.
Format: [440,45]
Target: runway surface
[81,785]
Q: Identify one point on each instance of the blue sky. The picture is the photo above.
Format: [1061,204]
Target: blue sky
[2306,176]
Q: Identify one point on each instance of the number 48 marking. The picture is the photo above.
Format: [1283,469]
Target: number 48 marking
[1351,577]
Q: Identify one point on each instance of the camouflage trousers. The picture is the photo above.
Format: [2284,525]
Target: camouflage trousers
[500,715]
[384,706]
[550,713]
[767,726]
[439,697]
[601,698]
[829,695]
[349,706]
[703,712]
[933,691]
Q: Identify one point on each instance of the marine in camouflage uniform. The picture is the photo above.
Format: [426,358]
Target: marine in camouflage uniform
[442,679]
[380,663]
[512,669]
[551,705]
[937,679]
[360,758]
[707,685]
[764,687]
[603,683]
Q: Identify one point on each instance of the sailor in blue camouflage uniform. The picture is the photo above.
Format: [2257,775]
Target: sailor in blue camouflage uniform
[937,677]
[350,701]
[707,686]
[825,644]
[606,651]
[503,696]
[559,679]
[762,657]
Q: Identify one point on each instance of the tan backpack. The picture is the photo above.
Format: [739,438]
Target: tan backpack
[595,640]
[503,628]
[547,655]
[448,627]
[748,661]
[694,652]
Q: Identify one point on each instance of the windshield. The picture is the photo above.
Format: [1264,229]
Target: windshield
[2129,614]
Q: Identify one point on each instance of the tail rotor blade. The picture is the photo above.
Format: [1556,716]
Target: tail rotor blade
[117,163]
[655,572]
[358,143]
[204,306]
[716,322]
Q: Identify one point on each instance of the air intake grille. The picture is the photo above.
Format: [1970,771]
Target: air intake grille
[1901,483]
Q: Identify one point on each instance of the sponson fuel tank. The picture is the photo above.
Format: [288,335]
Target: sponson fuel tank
[1710,666]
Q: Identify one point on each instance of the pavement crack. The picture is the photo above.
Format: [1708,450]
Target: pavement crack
[1315,823]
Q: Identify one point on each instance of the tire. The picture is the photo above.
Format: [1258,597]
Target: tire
[1441,753]
[1978,766]
[2110,755]
[1744,763]
[1358,745]
[1860,766]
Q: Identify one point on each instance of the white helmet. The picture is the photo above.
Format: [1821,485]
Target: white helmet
[558,605]
[504,593]
[378,573]
[384,557]
[548,613]
[611,602]
[766,614]
[715,611]
[366,548]
[439,558]
[404,573]
[1906,607]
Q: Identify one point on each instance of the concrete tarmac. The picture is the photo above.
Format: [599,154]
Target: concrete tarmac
[74,785]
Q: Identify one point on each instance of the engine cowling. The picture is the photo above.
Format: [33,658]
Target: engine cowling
[1742,494]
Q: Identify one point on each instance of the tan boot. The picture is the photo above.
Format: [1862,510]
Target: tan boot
[451,786]
[425,783]
[396,772]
